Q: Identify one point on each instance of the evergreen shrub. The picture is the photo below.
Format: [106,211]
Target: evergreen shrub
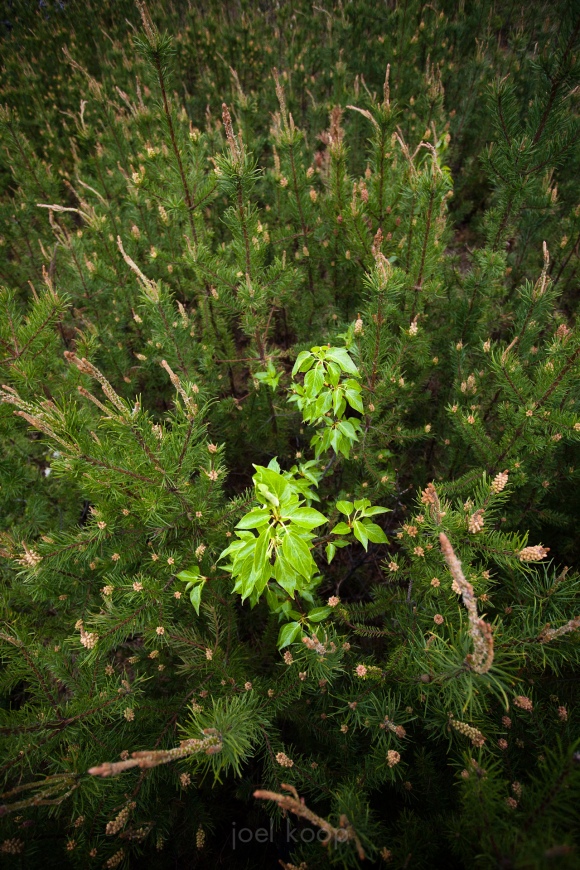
[290,420]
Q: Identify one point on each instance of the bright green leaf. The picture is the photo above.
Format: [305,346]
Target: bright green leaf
[261,550]
[373,511]
[254,519]
[340,356]
[298,555]
[375,533]
[307,518]
[355,401]
[302,357]
[319,613]
[362,503]
[195,596]
[288,634]
[345,507]
[348,430]
[314,381]
[341,529]
[190,575]
[361,534]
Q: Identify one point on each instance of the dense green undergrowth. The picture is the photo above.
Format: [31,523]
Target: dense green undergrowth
[290,417]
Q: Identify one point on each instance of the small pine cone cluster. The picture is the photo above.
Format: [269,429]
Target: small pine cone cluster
[476,522]
[88,639]
[120,820]
[533,554]
[115,859]
[500,481]
[429,495]
[393,757]
[313,643]
[474,734]
[283,760]
[395,729]
[200,838]
[29,559]
[12,847]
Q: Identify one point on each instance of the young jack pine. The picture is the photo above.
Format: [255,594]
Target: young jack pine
[290,421]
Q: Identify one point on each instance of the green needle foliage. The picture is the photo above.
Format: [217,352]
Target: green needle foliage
[290,418]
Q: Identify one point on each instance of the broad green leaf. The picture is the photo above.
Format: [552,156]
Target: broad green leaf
[341,529]
[330,550]
[345,507]
[335,440]
[285,574]
[233,548]
[261,550]
[314,381]
[302,357]
[274,482]
[262,577]
[296,551]
[244,565]
[288,634]
[267,494]
[257,578]
[348,430]
[340,356]
[345,446]
[355,401]
[254,519]
[195,596]
[275,604]
[287,581]
[318,614]
[307,518]
[375,533]
[361,534]
[190,575]
[245,548]
[323,404]
[362,503]
[333,373]
[373,511]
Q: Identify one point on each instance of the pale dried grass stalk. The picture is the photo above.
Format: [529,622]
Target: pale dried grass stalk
[294,804]
[210,744]
[481,632]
